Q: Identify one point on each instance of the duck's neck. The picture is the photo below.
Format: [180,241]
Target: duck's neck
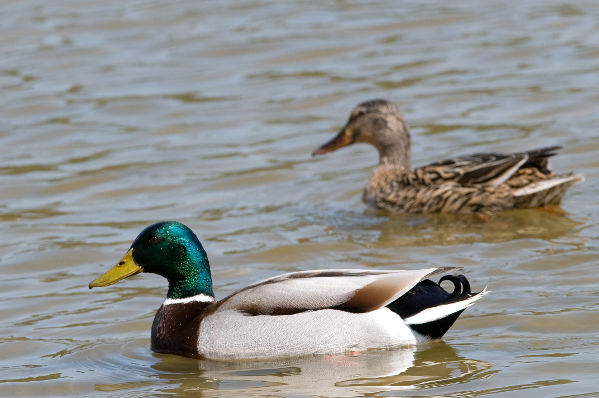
[393,143]
[189,288]
[394,149]
[191,281]
[398,156]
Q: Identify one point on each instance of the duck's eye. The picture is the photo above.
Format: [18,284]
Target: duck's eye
[154,240]
[358,113]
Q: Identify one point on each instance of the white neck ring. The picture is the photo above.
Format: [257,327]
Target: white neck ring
[200,298]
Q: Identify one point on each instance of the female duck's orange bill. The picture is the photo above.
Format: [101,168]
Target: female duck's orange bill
[342,139]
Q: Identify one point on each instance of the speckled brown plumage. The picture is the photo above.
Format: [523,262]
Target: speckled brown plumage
[478,183]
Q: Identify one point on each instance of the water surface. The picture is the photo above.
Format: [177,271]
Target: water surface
[117,114]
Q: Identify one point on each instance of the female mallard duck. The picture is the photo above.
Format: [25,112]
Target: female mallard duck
[308,312]
[479,183]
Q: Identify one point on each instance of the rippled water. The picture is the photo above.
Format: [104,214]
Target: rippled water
[117,114]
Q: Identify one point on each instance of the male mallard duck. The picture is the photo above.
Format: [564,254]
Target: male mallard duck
[479,183]
[308,312]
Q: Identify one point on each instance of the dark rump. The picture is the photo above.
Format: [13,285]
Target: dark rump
[427,294]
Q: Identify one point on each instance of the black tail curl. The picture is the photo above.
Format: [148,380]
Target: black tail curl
[427,294]
[461,286]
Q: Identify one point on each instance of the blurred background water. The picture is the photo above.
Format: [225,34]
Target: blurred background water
[114,115]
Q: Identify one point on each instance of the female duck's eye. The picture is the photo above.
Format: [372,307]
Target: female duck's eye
[357,114]
[154,240]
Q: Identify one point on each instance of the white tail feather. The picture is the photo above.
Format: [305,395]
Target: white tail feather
[547,184]
[441,311]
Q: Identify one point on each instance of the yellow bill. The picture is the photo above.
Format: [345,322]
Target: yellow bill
[123,269]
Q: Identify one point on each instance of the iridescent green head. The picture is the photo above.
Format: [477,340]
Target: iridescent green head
[169,249]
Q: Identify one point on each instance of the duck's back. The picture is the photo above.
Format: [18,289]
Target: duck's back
[479,183]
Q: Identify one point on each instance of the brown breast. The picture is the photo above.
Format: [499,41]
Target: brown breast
[176,328]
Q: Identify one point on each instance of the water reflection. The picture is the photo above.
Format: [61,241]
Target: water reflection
[118,114]
[408,368]
[410,230]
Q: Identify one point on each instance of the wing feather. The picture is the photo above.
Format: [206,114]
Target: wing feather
[489,168]
[348,290]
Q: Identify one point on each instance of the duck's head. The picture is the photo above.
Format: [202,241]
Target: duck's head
[379,123]
[169,249]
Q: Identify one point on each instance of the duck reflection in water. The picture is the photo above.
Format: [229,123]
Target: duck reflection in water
[408,368]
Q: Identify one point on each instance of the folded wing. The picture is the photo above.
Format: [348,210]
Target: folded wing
[488,168]
[347,290]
